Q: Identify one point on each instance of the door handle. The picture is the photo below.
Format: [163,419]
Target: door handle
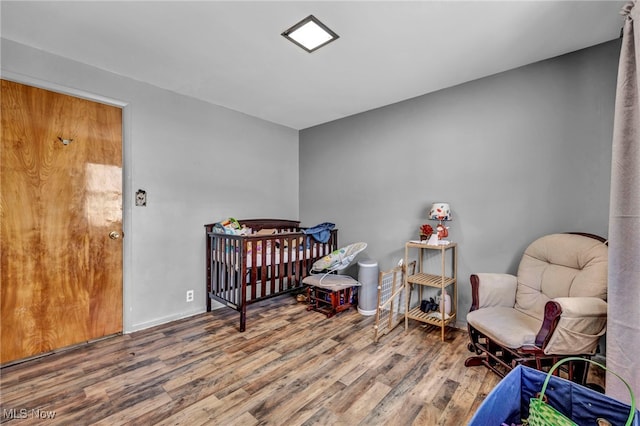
[114,235]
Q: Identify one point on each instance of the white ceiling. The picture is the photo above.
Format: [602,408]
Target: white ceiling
[232,53]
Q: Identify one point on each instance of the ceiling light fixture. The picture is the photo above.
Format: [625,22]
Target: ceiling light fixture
[310,34]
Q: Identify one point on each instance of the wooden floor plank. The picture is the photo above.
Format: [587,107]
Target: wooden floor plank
[291,367]
[464,395]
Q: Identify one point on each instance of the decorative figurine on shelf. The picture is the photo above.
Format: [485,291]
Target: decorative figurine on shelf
[443,231]
[425,231]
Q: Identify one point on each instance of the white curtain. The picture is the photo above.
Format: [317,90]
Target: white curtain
[623,324]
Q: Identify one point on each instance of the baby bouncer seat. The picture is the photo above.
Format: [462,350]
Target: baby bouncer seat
[327,291]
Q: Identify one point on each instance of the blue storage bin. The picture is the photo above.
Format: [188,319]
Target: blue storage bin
[508,402]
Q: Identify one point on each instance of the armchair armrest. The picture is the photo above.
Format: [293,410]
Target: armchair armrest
[572,325]
[582,307]
[489,290]
[552,312]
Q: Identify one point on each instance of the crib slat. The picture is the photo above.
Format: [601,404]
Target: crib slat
[295,247]
[253,275]
[281,266]
[273,271]
[264,269]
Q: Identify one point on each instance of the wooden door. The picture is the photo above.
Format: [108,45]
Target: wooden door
[61,197]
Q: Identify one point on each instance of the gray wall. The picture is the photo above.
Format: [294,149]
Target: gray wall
[518,155]
[199,163]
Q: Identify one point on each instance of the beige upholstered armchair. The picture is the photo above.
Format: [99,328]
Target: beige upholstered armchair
[555,307]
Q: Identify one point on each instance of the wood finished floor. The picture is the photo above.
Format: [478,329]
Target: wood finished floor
[291,367]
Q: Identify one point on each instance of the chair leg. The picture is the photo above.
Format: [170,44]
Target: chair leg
[481,357]
[472,346]
[488,353]
[474,361]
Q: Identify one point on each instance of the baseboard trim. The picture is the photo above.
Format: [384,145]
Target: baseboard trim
[163,320]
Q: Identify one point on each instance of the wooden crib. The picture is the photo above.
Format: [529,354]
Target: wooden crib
[270,261]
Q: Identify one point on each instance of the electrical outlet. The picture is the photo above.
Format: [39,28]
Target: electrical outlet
[189,295]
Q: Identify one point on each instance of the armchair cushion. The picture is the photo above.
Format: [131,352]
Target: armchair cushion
[506,326]
[560,265]
[496,290]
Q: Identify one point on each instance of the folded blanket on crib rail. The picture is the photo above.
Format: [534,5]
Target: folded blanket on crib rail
[320,232]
